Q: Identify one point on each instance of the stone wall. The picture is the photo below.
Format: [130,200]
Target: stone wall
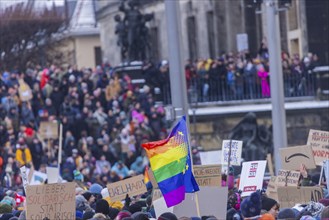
[212,130]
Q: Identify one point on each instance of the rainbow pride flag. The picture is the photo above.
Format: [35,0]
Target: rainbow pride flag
[171,164]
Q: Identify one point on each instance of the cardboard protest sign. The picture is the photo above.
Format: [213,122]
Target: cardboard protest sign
[293,157]
[252,175]
[287,178]
[24,91]
[271,190]
[208,175]
[132,186]
[52,201]
[319,141]
[236,150]
[48,130]
[210,157]
[289,196]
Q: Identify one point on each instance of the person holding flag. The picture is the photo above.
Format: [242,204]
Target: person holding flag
[170,161]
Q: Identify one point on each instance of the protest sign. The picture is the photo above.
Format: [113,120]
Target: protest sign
[48,130]
[319,141]
[24,91]
[293,157]
[208,175]
[132,186]
[152,179]
[236,150]
[289,196]
[160,207]
[242,42]
[210,157]
[51,201]
[252,175]
[271,190]
[52,174]
[287,178]
[326,171]
[24,177]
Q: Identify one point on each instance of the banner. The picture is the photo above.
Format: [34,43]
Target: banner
[132,186]
[210,157]
[289,196]
[208,175]
[287,178]
[48,130]
[52,174]
[319,141]
[51,201]
[251,178]
[293,157]
[236,150]
[271,190]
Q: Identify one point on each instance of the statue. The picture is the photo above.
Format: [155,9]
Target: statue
[257,139]
[132,31]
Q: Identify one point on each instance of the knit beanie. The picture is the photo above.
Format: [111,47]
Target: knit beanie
[102,206]
[324,202]
[80,203]
[167,216]
[123,214]
[87,195]
[314,208]
[6,216]
[5,208]
[113,213]
[139,216]
[88,215]
[252,205]
[95,188]
[9,200]
[286,214]
[134,208]
[268,203]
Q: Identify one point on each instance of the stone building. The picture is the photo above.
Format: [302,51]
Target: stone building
[210,27]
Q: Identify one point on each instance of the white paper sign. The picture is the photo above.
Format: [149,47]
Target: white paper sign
[24,177]
[37,177]
[160,207]
[242,42]
[210,157]
[52,174]
[236,150]
[252,176]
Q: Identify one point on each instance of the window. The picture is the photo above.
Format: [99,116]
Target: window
[98,56]
[192,38]
[211,33]
[154,39]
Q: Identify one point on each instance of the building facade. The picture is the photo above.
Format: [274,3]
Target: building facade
[210,28]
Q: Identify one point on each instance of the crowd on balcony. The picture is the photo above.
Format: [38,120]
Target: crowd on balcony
[240,76]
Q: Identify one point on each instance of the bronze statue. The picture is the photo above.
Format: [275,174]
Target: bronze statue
[132,31]
[257,139]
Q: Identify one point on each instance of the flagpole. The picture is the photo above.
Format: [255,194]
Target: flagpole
[177,75]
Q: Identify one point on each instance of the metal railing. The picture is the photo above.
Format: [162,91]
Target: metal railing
[201,90]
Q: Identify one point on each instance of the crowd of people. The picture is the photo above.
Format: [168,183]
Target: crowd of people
[240,76]
[105,119]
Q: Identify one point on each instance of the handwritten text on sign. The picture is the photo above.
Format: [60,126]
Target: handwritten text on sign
[319,141]
[52,201]
[132,186]
[288,178]
[208,175]
[236,150]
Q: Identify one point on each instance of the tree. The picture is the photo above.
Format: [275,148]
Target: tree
[29,36]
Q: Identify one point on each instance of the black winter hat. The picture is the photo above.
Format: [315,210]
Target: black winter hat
[102,206]
[268,203]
